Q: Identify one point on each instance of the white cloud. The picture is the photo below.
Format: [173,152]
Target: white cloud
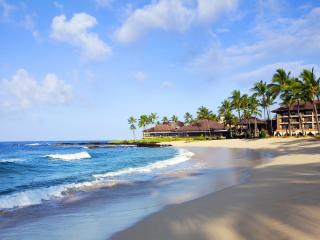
[58,5]
[139,76]
[6,9]
[29,24]
[76,32]
[170,15]
[210,9]
[266,72]
[23,91]
[280,39]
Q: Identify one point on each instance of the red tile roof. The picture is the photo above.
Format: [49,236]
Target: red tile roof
[166,127]
[201,125]
[306,106]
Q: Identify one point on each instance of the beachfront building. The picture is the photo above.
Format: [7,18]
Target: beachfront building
[307,125]
[166,129]
[204,127]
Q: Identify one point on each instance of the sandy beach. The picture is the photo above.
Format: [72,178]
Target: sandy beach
[281,199]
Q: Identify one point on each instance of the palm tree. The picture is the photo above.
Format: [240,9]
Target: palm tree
[253,108]
[270,100]
[260,90]
[143,121]
[174,118]
[237,104]
[312,85]
[165,119]
[225,111]
[280,86]
[299,95]
[153,117]
[188,118]
[204,113]
[132,125]
[288,99]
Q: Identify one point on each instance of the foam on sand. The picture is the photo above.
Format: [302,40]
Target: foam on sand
[183,155]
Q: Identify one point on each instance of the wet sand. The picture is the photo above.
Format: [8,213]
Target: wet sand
[280,200]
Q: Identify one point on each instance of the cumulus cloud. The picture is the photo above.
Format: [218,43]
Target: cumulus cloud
[77,32]
[280,39]
[139,76]
[170,15]
[23,91]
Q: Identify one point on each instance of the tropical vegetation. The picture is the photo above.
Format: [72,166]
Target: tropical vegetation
[257,102]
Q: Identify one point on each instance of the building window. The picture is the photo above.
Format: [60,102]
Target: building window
[284,113]
[308,125]
[308,112]
[308,119]
[284,126]
[284,120]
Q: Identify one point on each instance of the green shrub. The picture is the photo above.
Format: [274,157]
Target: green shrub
[262,134]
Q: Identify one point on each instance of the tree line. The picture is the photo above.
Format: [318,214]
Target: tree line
[289,90]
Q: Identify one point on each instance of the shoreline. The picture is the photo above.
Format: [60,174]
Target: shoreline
[279,201]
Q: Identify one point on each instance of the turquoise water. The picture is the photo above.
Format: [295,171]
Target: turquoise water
[34,173]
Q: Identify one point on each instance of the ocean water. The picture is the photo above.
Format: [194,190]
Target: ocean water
[49,191]
[33,173]
[74,192]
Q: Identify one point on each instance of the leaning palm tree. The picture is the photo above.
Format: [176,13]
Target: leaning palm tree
[132,125]
[312,85]
[188,118]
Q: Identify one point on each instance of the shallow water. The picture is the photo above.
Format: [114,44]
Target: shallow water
[99,212]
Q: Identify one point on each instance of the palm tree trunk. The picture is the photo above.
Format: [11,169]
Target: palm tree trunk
[255,127]
[300,119]
[289,121]
[316,113]
[239,122]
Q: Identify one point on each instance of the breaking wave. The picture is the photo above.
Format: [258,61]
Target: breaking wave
[37,196]
[70,157]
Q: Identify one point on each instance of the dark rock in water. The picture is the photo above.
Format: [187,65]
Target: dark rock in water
[92,145]
[152,145]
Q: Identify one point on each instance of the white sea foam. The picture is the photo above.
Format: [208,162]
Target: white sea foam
[33,144]
[12,160]
[183,156]
[70,157]
[37,196]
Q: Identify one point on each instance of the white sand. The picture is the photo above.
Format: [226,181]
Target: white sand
[280,201]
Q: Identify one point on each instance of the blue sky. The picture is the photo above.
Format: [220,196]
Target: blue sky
[75,70]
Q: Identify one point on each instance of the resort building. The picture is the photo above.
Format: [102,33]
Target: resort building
[166,129]
[252,122]
[202,127]
[308,120]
